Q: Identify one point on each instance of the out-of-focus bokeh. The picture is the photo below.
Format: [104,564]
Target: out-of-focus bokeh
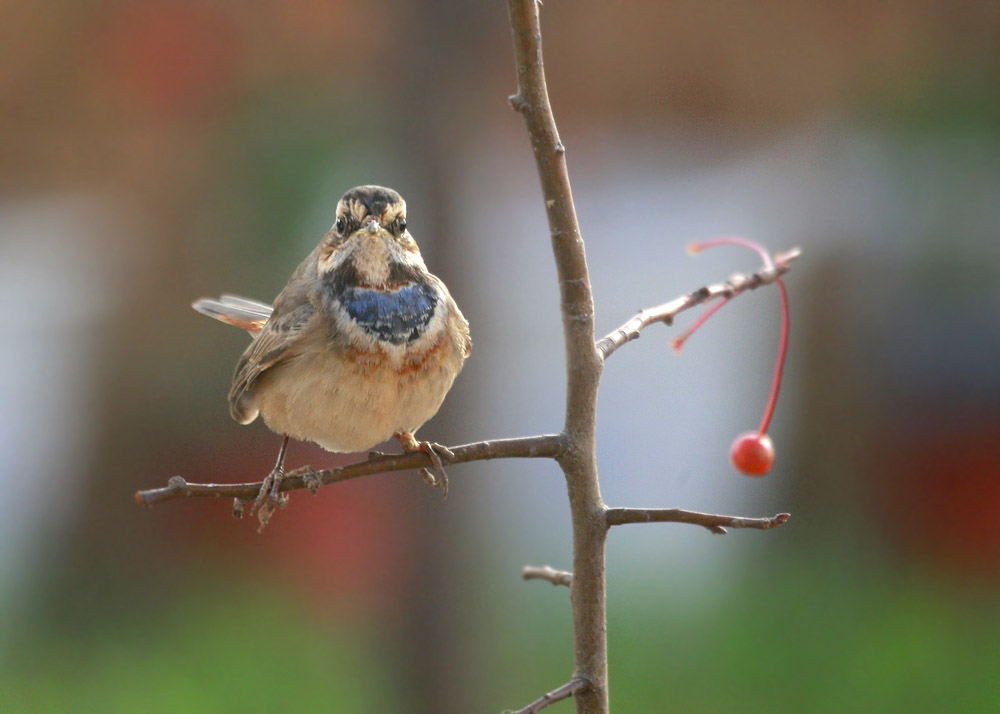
[154,152]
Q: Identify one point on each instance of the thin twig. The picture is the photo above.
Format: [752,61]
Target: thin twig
[547,572]
[543,446]
[713,522]
[669,310]
[566,691]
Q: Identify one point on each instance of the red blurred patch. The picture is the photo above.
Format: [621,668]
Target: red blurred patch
[349,542]
[348,539]
[168,58]
[943,500]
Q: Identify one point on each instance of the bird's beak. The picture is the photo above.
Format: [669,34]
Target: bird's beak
[373,226]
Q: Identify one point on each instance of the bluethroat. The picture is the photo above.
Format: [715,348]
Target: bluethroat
[362,345]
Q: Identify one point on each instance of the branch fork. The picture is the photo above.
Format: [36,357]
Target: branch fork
[577,684]
[574,448]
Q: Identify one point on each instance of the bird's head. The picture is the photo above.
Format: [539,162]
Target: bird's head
[369,236]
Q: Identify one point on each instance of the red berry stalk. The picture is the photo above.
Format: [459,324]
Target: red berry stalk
[753,452]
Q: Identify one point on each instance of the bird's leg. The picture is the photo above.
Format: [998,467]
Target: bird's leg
[435,476]
[269,490]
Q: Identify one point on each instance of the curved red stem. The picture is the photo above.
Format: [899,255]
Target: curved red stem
[734,240]
[780,363]
[779,366]
[679,341]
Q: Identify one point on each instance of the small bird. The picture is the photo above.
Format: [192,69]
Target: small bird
[362,345]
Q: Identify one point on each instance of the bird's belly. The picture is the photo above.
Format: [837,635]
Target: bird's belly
[354,400]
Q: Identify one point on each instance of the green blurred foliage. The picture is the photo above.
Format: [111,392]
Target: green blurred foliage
[237,650]
[810,639]
[816,636]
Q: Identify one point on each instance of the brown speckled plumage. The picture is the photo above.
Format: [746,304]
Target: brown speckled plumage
[361,345]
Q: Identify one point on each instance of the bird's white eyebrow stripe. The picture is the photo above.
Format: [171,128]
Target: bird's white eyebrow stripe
[356,210]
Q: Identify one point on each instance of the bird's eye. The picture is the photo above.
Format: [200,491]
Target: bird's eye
[402,225]
[340,225]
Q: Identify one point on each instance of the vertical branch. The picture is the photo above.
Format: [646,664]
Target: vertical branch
[583,362]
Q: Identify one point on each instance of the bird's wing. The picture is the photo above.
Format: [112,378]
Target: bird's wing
[279,341]
[456,320]
[247,314]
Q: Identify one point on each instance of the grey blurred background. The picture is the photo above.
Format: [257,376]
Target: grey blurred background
[152,153]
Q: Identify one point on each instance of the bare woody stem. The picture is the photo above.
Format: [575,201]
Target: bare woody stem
[583,362]
[543,446]
[666,312]
[547,572]
[713,522]
[556,695]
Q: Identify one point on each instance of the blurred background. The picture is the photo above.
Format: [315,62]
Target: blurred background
[155,152]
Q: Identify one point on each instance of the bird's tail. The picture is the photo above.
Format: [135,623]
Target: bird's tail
[241,312]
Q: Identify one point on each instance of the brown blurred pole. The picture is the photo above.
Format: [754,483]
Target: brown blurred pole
[433,69]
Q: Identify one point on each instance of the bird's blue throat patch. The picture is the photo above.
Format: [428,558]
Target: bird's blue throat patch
[396,316]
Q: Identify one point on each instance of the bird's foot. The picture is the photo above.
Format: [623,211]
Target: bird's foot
[435,476]
[269,498]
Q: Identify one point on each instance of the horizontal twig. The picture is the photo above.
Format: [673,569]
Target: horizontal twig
[715,523]
[542,446]
[566,691]
[666,312]
[547,572]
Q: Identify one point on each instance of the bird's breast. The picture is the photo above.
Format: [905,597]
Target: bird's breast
[353,399]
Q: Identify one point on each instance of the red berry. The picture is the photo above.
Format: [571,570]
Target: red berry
[752,453]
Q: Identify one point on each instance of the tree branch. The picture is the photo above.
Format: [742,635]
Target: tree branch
[583,362]
[669,310]
[715,523]
[566,691]
[575,448]
[543,446]
[547,572]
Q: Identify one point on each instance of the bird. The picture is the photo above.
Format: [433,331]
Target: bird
[361,346]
